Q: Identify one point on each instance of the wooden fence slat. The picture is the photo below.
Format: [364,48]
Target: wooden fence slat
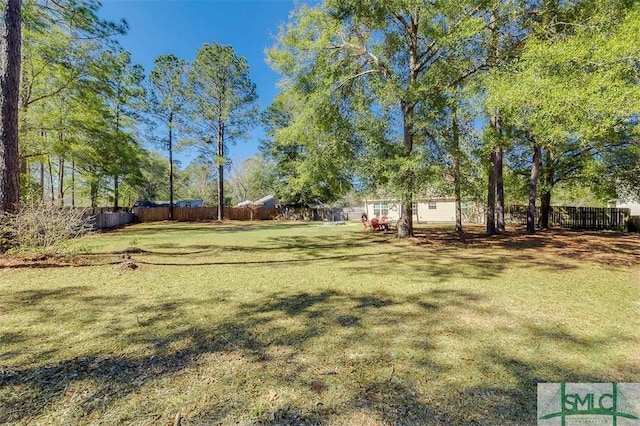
[112,220]
[191,214]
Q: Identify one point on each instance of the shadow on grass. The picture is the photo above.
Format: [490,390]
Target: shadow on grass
[274,335]
[554,250]
[604,247]
[207,226]
[365,325]
[435,253]
[360,254]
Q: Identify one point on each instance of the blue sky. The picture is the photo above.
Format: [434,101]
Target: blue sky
[181,27]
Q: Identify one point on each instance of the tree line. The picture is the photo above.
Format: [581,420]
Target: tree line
[412,96]
[404,97]
[81,109]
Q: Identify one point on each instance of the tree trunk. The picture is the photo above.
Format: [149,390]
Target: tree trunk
[94,193]
[533,184]
[495,191]
[42,189]
[52,187]
[547,182]
[545,208]
[116,192]
[171,166]
[498,169]
[9,105]
[73,183]
[405,224]
[221,172]
[456,172]
[458,206]
[404,228]
[61,181]
[491,194]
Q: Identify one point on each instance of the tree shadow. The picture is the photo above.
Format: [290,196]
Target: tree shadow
[604,247]
[115,376]
[273,333]
[395,402]
[152,228]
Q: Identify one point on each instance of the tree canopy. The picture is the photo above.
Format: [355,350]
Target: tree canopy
[479,100]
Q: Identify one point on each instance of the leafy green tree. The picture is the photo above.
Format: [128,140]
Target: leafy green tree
[122,89]
[251,179]
[198,180]
[222,104]
[574,91]
[62,41]
[451,147]
[311,152]
[387,54]
[154,180]
[102,112]
[167,103]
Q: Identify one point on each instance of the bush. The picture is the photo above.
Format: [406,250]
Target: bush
[42,226]
[6,234]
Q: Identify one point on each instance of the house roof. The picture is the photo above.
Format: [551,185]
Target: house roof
[265,199]
[245,203]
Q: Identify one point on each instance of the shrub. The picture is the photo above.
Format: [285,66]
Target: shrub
[6,234]
[42,226]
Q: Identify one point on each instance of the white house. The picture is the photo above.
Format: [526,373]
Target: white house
[424,210]
[634,206]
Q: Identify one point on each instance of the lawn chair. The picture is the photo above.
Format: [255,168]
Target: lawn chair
[375,224]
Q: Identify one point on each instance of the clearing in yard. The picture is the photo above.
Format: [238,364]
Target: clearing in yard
[290,323]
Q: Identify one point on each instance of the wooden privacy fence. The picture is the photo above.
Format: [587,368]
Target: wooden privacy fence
[192,214]
[189,214]
[112,220]
[262,213]
[588,218]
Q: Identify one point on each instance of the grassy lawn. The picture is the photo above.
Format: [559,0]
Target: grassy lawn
[287,323]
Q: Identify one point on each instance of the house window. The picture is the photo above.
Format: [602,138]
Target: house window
[432,205]
[380,209]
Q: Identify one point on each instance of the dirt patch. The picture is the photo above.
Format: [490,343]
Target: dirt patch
[121,258]
[42,260]
[611,248]
[131,250]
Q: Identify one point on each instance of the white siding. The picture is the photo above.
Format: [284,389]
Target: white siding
[376,208]
[444,211]
[634,207]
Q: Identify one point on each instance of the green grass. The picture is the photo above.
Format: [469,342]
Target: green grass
[281,323]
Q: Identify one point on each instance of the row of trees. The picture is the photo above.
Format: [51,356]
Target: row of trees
[211,101]
[403,96]
[409,95]
[81,110]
